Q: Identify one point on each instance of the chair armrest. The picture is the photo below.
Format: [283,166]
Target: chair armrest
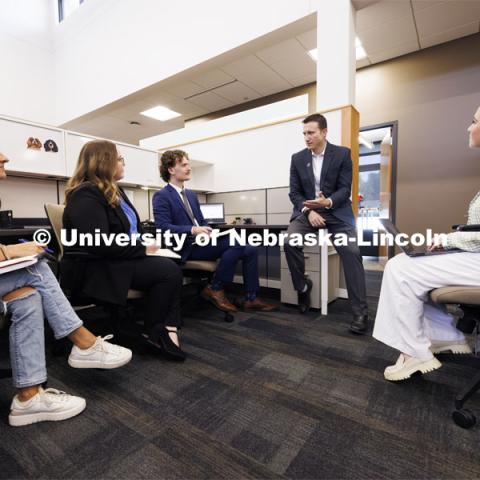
[474,227]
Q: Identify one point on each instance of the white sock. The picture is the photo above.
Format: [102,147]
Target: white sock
[304,289]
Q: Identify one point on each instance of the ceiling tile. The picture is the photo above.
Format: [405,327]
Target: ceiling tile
[389,35]
[420,4]
[185,89]
[364,62]
[444,16]
[282,51]
[212,78]
[211,101]
[451,34]
[237,92]
[308,39]
[254,73]
[295,67]
[359,4]
[382,12]
[393,52]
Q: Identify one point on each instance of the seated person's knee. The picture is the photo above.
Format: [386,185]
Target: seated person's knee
[18,293]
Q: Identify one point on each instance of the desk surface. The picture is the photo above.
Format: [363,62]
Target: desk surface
[20,232]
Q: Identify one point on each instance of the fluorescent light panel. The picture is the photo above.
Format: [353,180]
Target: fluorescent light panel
[160,113]
[359,51]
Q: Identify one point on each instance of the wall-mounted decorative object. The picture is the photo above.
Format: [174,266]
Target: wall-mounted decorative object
[34,143]
[50,146]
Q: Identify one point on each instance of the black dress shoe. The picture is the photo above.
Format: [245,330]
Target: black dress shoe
[162,341]
[359,324]
[304,299]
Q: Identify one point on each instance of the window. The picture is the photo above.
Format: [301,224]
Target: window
[66,7]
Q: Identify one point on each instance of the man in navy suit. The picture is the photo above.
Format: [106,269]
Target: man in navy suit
[177,210]
[320,189]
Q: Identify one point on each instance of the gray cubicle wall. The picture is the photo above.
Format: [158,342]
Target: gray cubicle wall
[268,206]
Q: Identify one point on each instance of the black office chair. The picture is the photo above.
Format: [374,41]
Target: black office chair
[468,300]
[4,324]
[55,216]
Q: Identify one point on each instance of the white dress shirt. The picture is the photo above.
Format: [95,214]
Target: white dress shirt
[317,164]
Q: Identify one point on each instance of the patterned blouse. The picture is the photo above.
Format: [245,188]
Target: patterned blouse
[467,241]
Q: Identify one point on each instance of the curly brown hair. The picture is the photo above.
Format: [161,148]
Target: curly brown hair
[168,160]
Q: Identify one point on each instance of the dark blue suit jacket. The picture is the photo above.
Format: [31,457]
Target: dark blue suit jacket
[335,181]
[171,214]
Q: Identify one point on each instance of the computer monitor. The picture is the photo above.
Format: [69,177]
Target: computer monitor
[213,212]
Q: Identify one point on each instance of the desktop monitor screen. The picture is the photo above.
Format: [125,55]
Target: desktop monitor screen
[213,212]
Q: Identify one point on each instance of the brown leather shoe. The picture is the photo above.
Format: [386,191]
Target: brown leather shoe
[258,306]
[218,298]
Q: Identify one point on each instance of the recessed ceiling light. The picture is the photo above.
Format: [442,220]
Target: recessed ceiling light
[160,113]
[134,122]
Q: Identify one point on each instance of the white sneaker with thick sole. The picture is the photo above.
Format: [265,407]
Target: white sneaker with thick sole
[48,405]
[101,354]
[403,369]
[455,346]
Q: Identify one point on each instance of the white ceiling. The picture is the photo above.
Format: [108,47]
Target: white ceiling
[278,62]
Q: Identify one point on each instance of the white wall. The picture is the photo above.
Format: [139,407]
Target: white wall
[108,49]
[27,75]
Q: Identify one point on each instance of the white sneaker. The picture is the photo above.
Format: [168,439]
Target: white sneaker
[455,346]
[100,355]
[403,369]
[48,405]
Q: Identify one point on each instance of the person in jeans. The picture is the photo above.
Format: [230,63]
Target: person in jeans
[26,296]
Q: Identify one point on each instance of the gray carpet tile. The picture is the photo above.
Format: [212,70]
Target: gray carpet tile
[272,395]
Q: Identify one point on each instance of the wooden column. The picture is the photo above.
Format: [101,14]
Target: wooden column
[350,132]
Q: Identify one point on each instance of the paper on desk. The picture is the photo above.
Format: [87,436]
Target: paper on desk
[164,252]
[217,233]
[17,263]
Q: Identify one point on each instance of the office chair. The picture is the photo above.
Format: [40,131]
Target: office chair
[201,272]
[468,300]
[4,323]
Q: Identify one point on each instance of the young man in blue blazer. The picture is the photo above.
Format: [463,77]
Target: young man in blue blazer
[320,189]
[177,209]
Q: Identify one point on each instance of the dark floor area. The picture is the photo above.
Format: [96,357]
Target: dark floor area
[276,395]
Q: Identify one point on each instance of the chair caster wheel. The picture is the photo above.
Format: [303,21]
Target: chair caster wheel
[229,318]
[464,418]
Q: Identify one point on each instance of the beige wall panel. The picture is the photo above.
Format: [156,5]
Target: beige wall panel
[26,196]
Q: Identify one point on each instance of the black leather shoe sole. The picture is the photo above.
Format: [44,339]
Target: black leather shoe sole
[358,330]
[304,298]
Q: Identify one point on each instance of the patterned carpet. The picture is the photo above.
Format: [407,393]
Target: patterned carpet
[275,395]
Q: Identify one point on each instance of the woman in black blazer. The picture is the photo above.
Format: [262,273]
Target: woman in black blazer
[94,203]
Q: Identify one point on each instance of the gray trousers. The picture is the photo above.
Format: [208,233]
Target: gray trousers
[349,255]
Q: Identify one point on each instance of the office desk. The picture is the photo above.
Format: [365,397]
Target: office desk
[12,235]
[322,265]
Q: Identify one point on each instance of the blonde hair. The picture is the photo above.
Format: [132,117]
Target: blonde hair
[97,164]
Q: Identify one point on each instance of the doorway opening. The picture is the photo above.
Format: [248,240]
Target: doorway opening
[376,187]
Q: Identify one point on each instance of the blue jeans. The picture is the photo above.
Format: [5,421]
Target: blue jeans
[27,340]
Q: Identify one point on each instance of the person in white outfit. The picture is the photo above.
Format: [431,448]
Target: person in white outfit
[406,320]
